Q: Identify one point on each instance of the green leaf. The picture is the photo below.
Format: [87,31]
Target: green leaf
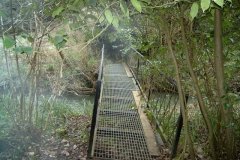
[24,35]
[8,42]
[194,10]
[61,45]
[27,50]
[137,5]
[92,2]
[2,14]
[23,49]
[78,3]
[219,2]
[115,22]
[28,37]
[205,4]
[57,11]
[127,13]
[73,8]
[58,39]
[123,7]
[147,1]
[109,16]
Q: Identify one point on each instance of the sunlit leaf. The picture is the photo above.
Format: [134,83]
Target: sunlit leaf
[124,7]
[57,11]
[219,2]
[8,42]
[137,5]
[109,16]
[194,10]
[115,22]
[205,4]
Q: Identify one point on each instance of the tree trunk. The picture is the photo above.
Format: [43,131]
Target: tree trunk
[5,52]
[22,98]
[224,128]
[180,92]
[202,105]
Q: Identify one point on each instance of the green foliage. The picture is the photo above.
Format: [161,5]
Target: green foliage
[59,41]
[231,100]
[92,2]
[124,8]
[115,22]
[219,2]
[101,19]
[5,121]
[194,10]
[147,1]
[137,5]
[28,37]
[23,49]
[205,4]
[8,113]
[109,16]
[57,11]
[2,13]
[8,42]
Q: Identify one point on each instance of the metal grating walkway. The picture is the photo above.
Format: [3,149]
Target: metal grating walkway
[119,132]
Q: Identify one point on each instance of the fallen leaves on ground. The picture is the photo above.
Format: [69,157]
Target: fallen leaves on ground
[71,145]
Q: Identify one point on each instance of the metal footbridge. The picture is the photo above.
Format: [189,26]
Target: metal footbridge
[120,130]
[117,131]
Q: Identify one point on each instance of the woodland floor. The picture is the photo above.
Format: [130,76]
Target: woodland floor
[72,143]
[69,142]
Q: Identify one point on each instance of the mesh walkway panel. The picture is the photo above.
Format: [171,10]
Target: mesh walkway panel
[119,134]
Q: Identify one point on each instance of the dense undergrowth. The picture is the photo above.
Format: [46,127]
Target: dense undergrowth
[49,107]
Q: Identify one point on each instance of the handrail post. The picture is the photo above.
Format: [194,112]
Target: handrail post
[90,151]
[177,135]
[149,95]
[94,120]
[149,92]
[178,132]
[138,67]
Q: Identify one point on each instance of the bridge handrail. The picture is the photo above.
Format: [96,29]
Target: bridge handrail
[171,81]
[147,99]
[95,108]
